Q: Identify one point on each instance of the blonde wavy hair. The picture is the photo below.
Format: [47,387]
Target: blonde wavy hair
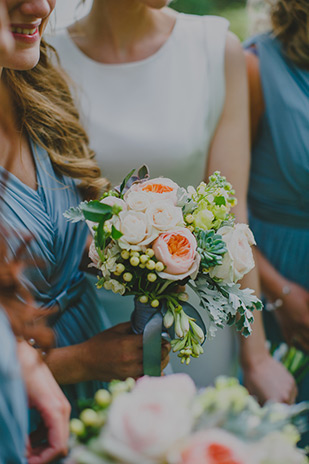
[45,110]
[290,24]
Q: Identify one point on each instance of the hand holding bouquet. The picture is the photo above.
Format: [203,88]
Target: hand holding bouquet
[150,236]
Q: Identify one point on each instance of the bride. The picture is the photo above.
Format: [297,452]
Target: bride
[170,90]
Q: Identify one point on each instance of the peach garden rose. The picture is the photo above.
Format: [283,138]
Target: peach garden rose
[159,188]
[177,251]
[210,446]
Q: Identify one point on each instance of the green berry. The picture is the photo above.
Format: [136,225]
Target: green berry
[151,265]
[125,254]
[151,277]
[159,266]
[102,397]
[127,276]
[134,261]
[150,252]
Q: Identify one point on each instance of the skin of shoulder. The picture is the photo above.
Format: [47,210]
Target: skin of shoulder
[255,92]
[230,147]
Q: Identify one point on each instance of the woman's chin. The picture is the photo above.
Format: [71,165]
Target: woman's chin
[22,61]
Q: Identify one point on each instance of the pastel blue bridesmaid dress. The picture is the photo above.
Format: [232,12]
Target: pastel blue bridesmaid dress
[54,254]
[279,182]
[13,401]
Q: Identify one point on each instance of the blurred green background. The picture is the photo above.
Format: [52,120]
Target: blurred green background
[233,10]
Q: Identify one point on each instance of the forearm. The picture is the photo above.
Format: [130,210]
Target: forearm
[67,364]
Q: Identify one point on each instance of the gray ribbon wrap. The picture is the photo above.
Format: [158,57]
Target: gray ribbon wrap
[148,321]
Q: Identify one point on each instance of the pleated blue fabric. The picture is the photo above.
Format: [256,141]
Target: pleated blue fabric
[54,255]
[13,402]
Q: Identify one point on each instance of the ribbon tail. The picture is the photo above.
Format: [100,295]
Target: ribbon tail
[152,346]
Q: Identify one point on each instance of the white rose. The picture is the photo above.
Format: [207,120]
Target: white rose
[136,230]
[238,260]
[138,201]
[164,216]
[143,424]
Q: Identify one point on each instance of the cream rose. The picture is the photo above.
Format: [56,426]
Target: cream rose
[136,230]
[177,251]
[238,260]
[137,200]
[143,424]
[164,216]
[160,188]
[210,446]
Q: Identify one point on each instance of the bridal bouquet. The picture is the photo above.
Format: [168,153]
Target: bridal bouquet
[165,420]
[150,237]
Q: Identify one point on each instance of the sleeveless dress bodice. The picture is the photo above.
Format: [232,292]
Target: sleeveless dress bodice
[162,110]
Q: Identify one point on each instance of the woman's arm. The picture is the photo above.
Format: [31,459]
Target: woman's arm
[45,395]
[230,154]
[291,303]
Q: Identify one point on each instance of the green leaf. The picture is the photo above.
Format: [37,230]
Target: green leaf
[116,234]
[96,211]
[143,172]
[126,180]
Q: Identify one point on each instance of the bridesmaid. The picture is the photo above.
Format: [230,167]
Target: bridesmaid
[170,90]
[23,376]
[278,70]
[53,169]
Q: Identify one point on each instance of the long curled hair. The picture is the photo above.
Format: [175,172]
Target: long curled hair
[45,110]
[290,24]
[26,320]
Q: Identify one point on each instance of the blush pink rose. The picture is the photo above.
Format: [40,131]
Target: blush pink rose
[177,251]
[144,424]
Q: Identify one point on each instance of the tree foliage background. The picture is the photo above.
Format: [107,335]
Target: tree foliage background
[234,10]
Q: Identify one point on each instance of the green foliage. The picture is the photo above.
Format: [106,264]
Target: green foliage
[233,10]
[96,211]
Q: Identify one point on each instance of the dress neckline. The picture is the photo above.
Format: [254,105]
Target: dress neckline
[131,64]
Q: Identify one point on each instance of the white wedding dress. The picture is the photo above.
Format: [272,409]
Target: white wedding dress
[161,111]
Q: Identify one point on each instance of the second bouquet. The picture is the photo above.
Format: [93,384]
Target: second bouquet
[151,238]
